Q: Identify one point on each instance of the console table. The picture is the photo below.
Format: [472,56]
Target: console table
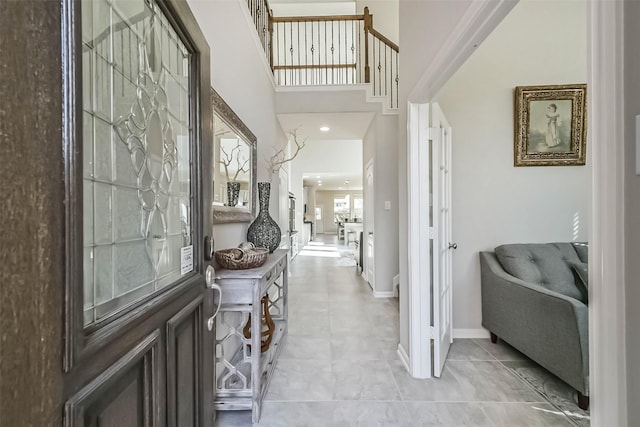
[243,372]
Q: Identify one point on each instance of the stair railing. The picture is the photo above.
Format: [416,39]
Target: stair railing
[328,50]
[262,19]
[317,50]
[382,54]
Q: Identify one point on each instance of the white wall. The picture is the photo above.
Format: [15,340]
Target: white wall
[385,12]
[424,27]
[632,207]
[313,9]
[342,157]
[381,145]
[240,74]
[325,198]
[385,16]
[494,202]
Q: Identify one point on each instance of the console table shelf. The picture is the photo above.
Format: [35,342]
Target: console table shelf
[242,374]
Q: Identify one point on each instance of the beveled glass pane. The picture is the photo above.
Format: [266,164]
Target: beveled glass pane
[103,277]
[87,20]
[87,202]
[131,11]
[100,27]
[174,223]
[169,267]
[102,150]
[87,73]
[136,154]
[88,277]
[102,86]
[125,165]
[87,145]
[102,214]
[133,268]
[128,215]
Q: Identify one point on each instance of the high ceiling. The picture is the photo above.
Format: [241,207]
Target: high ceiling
[333,182]
[342,126]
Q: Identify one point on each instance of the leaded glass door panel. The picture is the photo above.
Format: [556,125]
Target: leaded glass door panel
[137,155]
[139,202]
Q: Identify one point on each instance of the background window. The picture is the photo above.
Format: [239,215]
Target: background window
[341,208]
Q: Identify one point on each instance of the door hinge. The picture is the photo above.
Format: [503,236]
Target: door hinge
[431,133]
[432,333]
[432,233]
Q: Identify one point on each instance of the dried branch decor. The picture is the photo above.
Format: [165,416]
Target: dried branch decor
[227,158]
[279,158]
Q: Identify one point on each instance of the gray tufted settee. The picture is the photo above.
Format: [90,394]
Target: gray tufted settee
[534,297]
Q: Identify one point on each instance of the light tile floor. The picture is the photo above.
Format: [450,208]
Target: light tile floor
[339,365]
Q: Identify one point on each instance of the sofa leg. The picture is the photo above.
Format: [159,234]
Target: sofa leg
[583,401]
[494,337]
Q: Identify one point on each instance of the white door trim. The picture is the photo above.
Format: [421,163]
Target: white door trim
[480,19]
[418,240]
[368,271]
[607,341]
[442,255]
[478,22]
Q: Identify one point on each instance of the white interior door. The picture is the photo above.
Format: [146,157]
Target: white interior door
[369,229]
[442,242]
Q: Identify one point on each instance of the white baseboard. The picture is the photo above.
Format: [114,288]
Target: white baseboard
[470,333]
[404,357]
[383,294]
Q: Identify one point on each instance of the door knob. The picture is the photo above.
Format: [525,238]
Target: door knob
[453,246]
[210,276]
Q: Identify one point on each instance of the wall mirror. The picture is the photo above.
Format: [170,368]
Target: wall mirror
[234,165]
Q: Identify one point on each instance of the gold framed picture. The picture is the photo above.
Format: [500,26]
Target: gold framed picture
[550,125]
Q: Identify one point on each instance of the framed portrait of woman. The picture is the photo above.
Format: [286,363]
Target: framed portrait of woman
[550,125]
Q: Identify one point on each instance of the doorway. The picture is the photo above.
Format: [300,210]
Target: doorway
[603,35]
[369,235]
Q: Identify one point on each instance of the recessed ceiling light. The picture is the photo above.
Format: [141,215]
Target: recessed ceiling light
[325,129]
[339,188]
[318,176]
[319,184]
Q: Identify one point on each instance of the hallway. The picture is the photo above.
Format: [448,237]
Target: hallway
[339,366]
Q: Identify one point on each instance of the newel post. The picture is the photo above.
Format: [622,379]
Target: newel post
[368,24]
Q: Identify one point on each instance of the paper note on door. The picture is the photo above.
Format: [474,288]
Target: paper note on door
[186,259]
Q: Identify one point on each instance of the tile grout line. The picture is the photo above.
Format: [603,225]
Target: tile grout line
[536,391]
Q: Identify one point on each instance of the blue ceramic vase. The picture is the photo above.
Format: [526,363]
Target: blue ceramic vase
[264,231]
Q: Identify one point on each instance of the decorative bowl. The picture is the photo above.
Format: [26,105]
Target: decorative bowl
[241,259]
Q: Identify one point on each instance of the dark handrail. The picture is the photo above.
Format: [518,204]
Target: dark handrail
[318,18]
[385,40]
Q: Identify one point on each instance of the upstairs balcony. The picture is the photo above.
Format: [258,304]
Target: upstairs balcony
[328,50]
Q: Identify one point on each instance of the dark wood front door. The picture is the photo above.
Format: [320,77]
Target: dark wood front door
[137,138]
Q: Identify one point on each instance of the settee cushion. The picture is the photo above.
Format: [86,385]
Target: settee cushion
[581,272]
[547,265]
[582,249]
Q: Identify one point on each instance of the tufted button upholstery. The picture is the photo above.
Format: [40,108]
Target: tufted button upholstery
[544,264]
